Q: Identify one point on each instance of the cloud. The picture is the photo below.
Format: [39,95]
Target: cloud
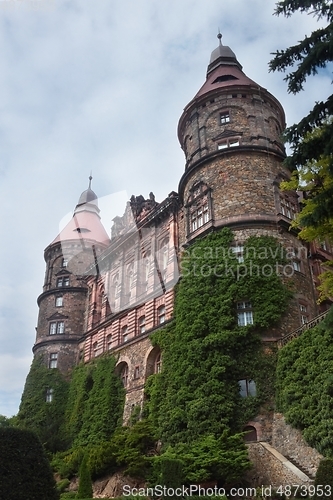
[100,86]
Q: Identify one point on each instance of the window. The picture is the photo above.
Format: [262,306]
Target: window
[59,301]
[108,341]
[199,216]
[64,263]
[53,360]
[49,395]
[124,375]
[124,333]
[224,117]
[238,251]
[323,245]
[158,364]
[228,143]
[64,281]
[304,314]
[56,327]
[161,315]
[296,265]
[142,324]
[247,387]
[136,372]
[244,313]
[288,208]
[95,349]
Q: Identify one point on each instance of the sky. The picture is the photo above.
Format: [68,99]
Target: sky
[99,87]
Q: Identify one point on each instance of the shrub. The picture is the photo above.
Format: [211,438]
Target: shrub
[324,477]
[25,473]
[85,484]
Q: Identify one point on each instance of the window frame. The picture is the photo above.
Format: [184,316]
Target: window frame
[161,314]
[49,395]
[248,388]
[244,313]
[228,142]
[57,327]
[53,360]
[224,117]
[142,324]
[63,281]
[61,299]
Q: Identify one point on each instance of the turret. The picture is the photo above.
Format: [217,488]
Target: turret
[63,304]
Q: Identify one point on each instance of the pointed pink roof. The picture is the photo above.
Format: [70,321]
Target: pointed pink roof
[85,224]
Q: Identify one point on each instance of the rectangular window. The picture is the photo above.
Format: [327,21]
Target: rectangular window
[238,251]
[124,332]
[222,145]
[228,143]
[136,372]
[244,313]
[142,324]
[49,395]
[53,360]
[288,209]
[247,387]
[64,263]
[64,281]
[224,117]
[59,301]
[304,314]
[161,315]
[56,327]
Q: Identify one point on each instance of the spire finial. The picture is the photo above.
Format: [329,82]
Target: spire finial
[90,179]
[219,36]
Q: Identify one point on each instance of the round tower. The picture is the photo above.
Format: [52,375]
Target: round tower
[231,134]
[63,303]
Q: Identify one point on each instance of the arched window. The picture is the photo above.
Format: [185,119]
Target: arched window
[124,375]
[158,364]
[250,433]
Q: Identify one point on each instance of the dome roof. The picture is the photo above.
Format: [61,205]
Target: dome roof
[222,55]
[87,197]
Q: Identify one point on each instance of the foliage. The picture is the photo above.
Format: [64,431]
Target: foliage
[314,179]
[223,459]
[324,475]
[95,402]
[25,473]
[310,55]
[5,421]
[205,352]
[85,484]
[35,413]
[305,384]
[127,448]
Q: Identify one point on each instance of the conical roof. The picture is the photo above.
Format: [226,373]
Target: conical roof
[86,223]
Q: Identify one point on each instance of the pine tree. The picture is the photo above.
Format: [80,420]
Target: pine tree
[306,58]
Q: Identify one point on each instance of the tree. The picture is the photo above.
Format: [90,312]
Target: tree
[85,484]
[25,473]
[308,147]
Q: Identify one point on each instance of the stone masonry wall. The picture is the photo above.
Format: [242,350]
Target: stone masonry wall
[289,442]
[270,468]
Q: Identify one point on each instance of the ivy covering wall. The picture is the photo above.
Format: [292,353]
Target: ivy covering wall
[205,352]
[305,384]
[86,409]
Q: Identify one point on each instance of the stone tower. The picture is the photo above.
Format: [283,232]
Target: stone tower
[63,305]
[231,136]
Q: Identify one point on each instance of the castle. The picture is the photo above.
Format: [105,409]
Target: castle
[109,293]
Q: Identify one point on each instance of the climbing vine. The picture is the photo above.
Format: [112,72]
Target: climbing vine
[44,418]
[95,403]
[305,384]
[205,352]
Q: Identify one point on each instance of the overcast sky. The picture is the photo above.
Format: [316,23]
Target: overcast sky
[100,86]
